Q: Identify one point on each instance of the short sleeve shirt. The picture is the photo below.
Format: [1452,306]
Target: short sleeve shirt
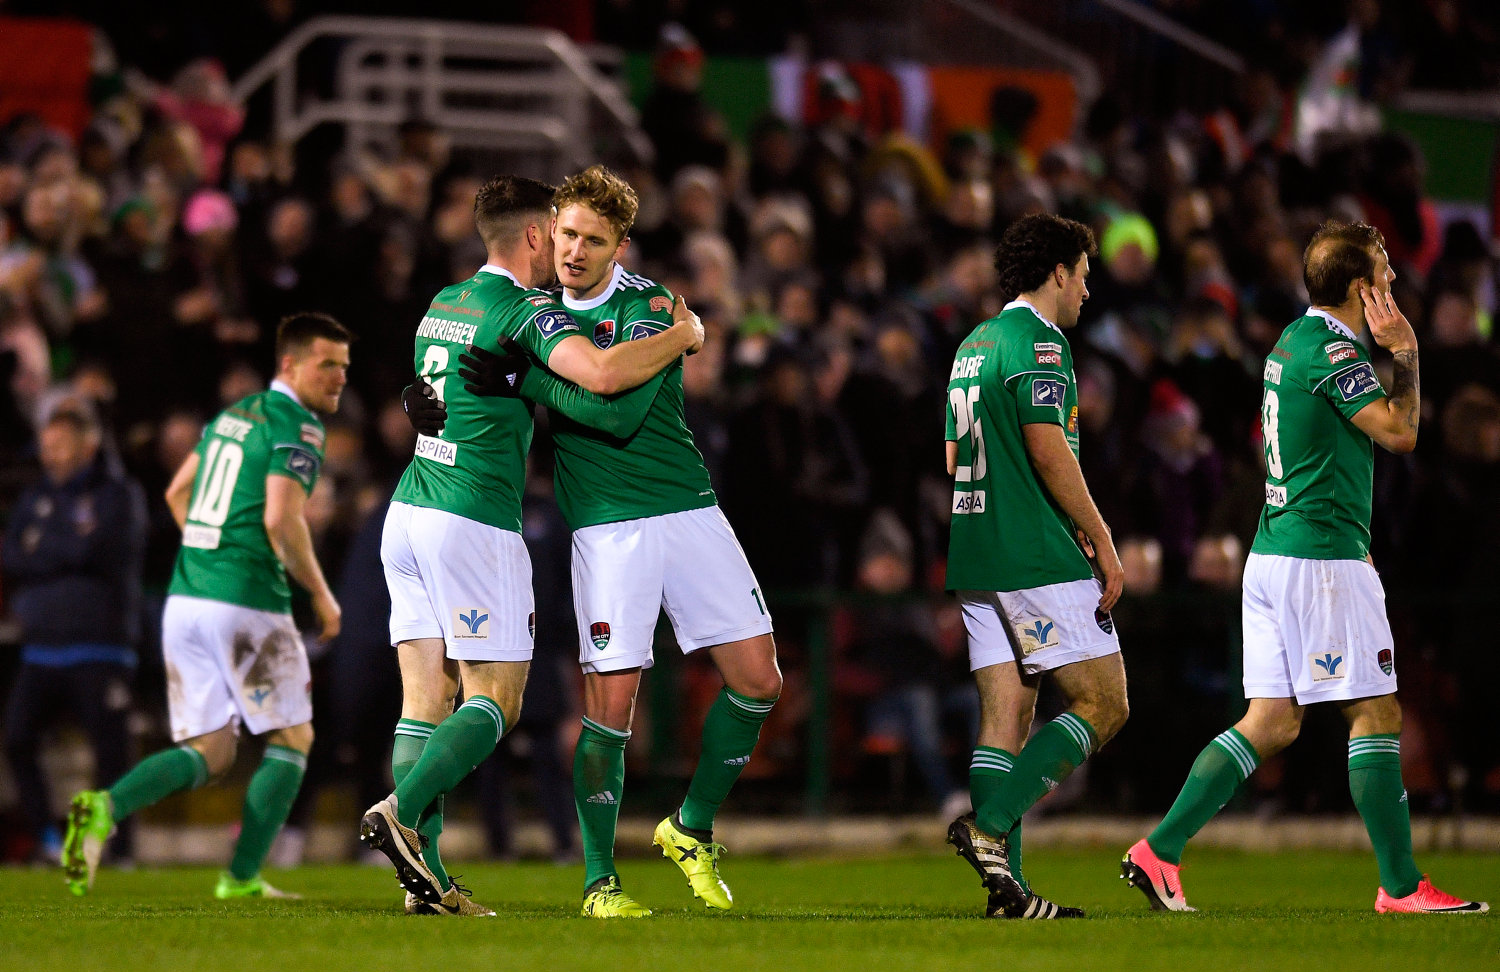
[476,468]
[226,554]
[1007,532]
[1320,467]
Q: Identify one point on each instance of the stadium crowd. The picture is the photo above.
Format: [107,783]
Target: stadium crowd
[143,268]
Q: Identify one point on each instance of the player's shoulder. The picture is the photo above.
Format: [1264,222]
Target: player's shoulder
[292,423]
[641,296]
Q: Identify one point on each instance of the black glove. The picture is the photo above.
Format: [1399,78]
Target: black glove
[494,375]
[424,410]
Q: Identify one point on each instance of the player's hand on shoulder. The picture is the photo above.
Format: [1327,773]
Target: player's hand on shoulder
[682,316]
[1388,326]
[491,374]
[424,410]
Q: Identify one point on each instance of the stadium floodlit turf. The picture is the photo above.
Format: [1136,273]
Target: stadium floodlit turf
[1260,912]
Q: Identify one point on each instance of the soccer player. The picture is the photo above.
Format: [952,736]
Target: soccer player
[233,655]
[1314,620]
[648,534]
[458,571]
[1031,601]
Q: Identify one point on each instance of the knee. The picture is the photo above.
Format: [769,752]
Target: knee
[299,738]
[1106,715]
[218,754]
[764,685]
[426,703]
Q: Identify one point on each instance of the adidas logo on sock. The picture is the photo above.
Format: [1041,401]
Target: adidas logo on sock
[737,761]
[603,796]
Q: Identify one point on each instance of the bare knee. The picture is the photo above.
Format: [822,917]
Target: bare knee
[761,683]
[299,738]
[218,749]
[609,698]
[1270,727]
[1107,714]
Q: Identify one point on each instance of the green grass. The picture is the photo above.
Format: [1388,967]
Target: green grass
[1260,912]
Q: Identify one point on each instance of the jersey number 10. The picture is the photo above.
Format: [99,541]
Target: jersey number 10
[963,401]
[221,470]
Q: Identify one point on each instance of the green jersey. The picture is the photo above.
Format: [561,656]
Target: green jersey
[655,468]
[1320,468]
[477,467]
[1007,532]
[226,554]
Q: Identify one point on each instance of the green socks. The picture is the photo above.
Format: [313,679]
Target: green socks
[406,749]
[1057,749]
[987,771]
[729,734]
[1216,776]
[1375,784]
[267,802]
[157,777]
[456,746]
[598,785]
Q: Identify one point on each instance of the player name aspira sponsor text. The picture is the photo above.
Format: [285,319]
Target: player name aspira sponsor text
[437,450]
[437,329]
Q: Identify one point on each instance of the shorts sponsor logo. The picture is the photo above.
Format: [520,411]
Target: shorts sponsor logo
[1328,665]
[1104,621]
[1046,391]
[257,695]
[968,501]
[436,450]
[1273,371]
[660,303]
[1035,634]
[473,623]
[1357,381]
[554,322]
[599,634]
[200,537]
[604,334]
[1275,495]
[1386,661]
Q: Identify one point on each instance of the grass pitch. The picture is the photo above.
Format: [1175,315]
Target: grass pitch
[1259,912]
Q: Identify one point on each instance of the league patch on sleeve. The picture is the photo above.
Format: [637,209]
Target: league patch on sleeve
[554,322]
[1357,381]
[1340,351]
[1047,353]
[644,329]
[302,464]
[1047,391]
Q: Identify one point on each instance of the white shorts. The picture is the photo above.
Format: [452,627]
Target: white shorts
[1041,628]
[453,578]
[227,664]
[689,563]
[1316,630]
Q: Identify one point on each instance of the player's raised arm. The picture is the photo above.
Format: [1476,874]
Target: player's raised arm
[1392,421]
[628,363]
[1047,445]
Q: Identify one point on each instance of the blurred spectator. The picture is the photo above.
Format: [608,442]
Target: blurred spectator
[72,556]
[685,129]
[1178,477]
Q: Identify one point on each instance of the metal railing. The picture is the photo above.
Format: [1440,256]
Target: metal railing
[523,90]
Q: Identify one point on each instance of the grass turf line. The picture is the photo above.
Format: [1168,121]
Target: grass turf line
[1304,910]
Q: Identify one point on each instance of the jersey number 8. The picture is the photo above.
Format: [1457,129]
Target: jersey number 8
[1268,419]
[435,360]
[962,401]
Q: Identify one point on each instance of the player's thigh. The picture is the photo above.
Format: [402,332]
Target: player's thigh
[477,580]
[1337,640]
[710,593]
[617,593]
[1058,625]
[413,615]
[264,662]
[199,695]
